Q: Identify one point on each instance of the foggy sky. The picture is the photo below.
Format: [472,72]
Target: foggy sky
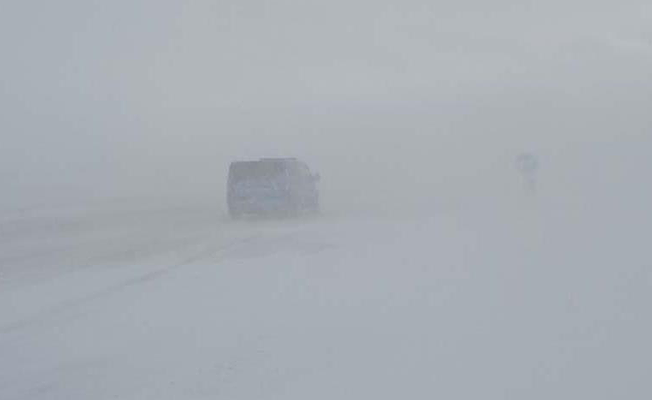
[155,98]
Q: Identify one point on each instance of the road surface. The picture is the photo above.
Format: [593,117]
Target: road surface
[125,302]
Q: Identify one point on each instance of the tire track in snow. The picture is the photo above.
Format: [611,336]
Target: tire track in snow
[54,312]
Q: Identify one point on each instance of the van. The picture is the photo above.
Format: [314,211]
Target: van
[271,186]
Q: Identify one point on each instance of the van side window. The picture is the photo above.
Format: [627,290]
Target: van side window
[304,172]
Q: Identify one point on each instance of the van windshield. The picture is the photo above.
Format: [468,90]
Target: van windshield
[256,171]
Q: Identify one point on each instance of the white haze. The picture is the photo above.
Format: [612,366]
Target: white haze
[118,121]
[156,98]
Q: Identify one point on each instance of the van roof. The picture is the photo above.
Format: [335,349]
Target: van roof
[288,159]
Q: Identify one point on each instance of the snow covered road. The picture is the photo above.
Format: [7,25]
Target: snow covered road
[182,304]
